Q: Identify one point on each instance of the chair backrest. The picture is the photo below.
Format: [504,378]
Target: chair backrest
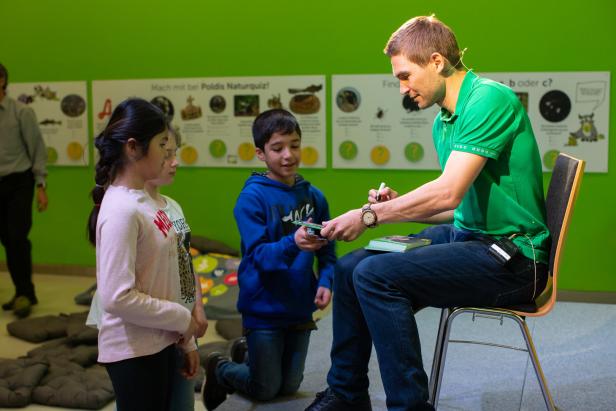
[562,193]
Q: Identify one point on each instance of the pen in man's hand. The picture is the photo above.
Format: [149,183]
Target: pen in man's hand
[378,192]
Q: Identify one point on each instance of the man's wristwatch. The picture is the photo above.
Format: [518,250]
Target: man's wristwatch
[368,216]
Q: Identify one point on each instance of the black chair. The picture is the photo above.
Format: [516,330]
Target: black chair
[561,196]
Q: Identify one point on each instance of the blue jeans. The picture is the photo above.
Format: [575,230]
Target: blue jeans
[183,390]
[275,366]
[376,295]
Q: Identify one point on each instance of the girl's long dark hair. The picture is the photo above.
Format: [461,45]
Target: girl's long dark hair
[133,118]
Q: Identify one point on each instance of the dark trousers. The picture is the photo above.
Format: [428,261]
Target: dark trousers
[16,195]
[144,383]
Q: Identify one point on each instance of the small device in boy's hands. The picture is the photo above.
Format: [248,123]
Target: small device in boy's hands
[313,228]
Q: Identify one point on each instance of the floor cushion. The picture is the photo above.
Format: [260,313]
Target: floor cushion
[69,385]
[17,380]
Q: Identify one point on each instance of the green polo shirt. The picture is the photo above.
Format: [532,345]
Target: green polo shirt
[507,196]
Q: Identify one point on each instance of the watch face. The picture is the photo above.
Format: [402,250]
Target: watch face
[368,217]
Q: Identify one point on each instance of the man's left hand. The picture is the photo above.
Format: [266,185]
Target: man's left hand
[346,227]
[41,198]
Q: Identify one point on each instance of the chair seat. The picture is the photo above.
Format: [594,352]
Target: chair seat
[521,308]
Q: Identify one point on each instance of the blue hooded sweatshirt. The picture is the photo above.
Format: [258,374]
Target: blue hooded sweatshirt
[277,280]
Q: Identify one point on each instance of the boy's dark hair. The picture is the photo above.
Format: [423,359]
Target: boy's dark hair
[5,75]
[273,121]
[133,118]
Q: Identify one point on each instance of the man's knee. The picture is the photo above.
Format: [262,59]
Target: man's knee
[346,264]
[371,274]
[343,278]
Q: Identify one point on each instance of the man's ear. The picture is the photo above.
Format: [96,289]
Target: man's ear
[438,61]
[260,154]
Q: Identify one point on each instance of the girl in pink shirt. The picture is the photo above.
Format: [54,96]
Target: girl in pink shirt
[136,250]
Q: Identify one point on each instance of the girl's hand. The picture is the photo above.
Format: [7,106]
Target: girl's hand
[190,331]
[199,316]
[191,364]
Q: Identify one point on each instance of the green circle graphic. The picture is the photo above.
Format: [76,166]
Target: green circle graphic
[218,148]
[348,150]
[549,158]
[52,155]
[413,152]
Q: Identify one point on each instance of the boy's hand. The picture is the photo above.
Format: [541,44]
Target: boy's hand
[323,297]
[191,364]
[306,241]
[386,195]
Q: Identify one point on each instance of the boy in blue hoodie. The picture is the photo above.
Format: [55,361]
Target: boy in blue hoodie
[279,290]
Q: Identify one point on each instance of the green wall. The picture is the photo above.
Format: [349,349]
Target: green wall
[65,40]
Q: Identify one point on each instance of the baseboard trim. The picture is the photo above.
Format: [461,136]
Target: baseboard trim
[598,297]
[62,269]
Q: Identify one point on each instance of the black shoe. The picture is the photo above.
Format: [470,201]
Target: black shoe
[10,305]
[22,307]
[328,401]
[239,348]
[212,393]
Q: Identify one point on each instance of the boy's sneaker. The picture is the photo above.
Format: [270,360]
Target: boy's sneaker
[213,393]
[328,401]
[239,348]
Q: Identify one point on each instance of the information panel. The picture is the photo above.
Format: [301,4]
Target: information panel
[60,109]
[215,115]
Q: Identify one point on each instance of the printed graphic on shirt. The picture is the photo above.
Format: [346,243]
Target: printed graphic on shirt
[187,279]
[162,222]
[302,212]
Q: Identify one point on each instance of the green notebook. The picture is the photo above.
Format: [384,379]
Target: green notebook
[396,243]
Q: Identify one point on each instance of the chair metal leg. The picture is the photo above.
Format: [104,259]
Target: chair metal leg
[549,401]
[440,351]
[438,359]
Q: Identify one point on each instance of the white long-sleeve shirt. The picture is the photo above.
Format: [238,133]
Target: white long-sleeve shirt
[137,277]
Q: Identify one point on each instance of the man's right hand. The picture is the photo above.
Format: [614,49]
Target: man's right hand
[386,195]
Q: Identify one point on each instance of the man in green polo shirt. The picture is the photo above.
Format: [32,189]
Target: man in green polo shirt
[490,242]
